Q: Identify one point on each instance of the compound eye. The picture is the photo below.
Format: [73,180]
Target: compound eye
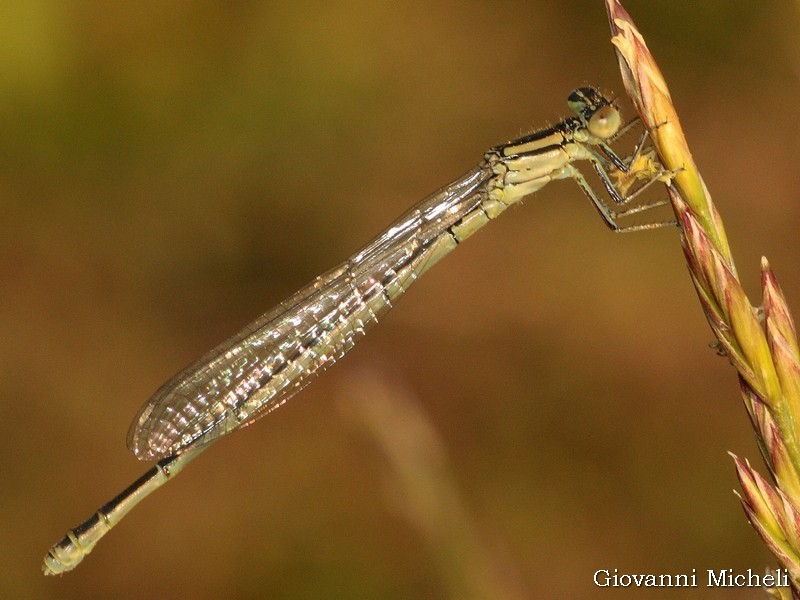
[605,122]
[579,100]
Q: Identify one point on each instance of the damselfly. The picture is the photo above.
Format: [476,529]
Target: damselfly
[274,357]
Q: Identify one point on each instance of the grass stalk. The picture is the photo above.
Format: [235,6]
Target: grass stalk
[764,351]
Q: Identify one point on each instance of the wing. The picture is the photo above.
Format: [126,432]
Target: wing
[278,354]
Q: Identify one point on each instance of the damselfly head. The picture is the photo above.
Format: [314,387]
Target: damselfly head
[602,118]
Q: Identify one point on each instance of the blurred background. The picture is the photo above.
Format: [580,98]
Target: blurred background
[541,405]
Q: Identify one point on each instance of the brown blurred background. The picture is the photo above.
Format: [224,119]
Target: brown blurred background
[172,169]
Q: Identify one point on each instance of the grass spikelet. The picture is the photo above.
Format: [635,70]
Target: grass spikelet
[765,353]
